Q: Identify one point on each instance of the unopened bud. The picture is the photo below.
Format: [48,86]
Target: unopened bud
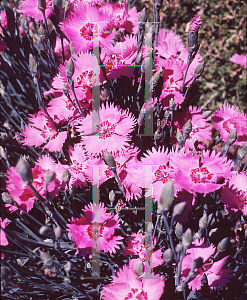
[142,19]
[187,239]
[187,129]
[199,70]
[141,118]
[217,139]
[179,230]
[168,255]
[42,5]
[139,268]
[157,135]
[33,66]
[179,208]
[72,49]
[112,196]
[70,68]
[105,91]
[67,267]
[179,136]
[109,160]
[49,176]
[167,196]
[197,263]
[139,58]
[66,176]
[171,104]
[65,90]
[167,114]
[207,113]
[147,240]
[7,198]
[203,221]
[223,244]
[25,171]
[58,233]
[243,151]
[232,137]
[3,153]
[178,248]
[44,230]
[195,23]
[156,78]
[212,231]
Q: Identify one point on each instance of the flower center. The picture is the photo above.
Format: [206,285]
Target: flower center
[136,294]
[95,231]
[229,125]
[163,173]
[48,131]
[87,78]
[241,196]
[140,252]
[105,129]
[199,175]
[89,31]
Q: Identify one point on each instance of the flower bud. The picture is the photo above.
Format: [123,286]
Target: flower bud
[167,196]
[179,208]
[217,139]
[147,240]
[156,79]
[199,70]
[168,255]
[203,221]
[197,263]
[66,176]
[42,5]
[187,239]
[195,23]
[212,231]
[207,113]
[157,135]
[49,176]
[178,248]
[142,19]
[232,137]
[25,171]
[179,136]
[141,118]
[3,153]
[243,151]
[44,230]
[7,198]
[112,196]
[70,68]
[139,268]
[68,266]
[167,114]
[171,104]
[223,244]
[179,230]
[139,58]
[105,90]
[109,160]
[33,66]
[58,233]
[72,49]
[187,129]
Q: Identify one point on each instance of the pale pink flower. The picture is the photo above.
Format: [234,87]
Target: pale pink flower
[136,247]
[216,275]
[3,21]
[42,132]
[126,168]
[239,59]
[111,133]
[234,194]
[22,193]
[227,118]
[195,23]
[97,225]
[3,238]
[201,173]
[127,285]
[161,170]
[31,9]
[86,28]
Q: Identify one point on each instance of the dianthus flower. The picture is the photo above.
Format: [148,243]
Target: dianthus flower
[239,59]
[195,23]
[31,9]
[97,225]
[234,194]
[203,173]
[3,238]
[227,118]
[126,162]
[86,27]
[126,285]
[162,171]
[216,275]
[22,193]
[3,21]
[42,131]
[136,247]
[111,133]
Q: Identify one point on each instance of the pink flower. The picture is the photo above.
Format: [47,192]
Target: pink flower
[195,23]
[86,27]
[3,238]
[31,9]
[41,131]
[239,59]
[227,118]
[111,133]
[136,247]
[234,194]
[216,275]
[22,193]
[58,48]
[126,168]
[97,225]
[161,170]
[201,174]
[126,285]
[3,21]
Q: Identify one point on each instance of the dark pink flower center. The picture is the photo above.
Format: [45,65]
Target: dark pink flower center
[49,131]
[105,129]
[95,231]
[199,175]
[89,31]
[78,168]
[241,196]
[229,125]
[87,78]
[140,252]
[163,173]
[136,294]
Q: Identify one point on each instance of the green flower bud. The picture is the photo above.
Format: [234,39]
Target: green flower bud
[58,233]
[179,230]
[243,151]
[232,137]
[187,129]
[179,208]
[199,70]
[109,160]
[139,268]
[223,244]
[203,221]
[167,196]
[49,176]
[7,198]
[25,171]
[70,68]
[168,255]
[187,239]
[68,266]
[66,176]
